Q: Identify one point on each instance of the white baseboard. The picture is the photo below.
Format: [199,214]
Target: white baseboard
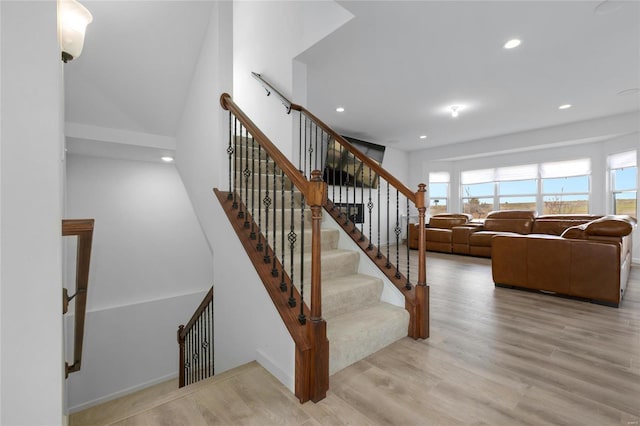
[121,393]
[278,373]
[635,261]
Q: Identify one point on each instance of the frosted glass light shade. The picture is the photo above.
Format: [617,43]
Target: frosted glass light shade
[73,18]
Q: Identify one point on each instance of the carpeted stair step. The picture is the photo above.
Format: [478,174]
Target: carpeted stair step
[358,334]
[334,263]
[348,293]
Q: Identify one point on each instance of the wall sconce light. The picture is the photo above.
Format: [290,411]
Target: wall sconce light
[73,18]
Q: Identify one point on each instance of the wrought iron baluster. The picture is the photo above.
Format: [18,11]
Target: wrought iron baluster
[355,192]
[230,153]
[241,173]
[316,166]
[253,189]
[388,264]
[235,162]
[283,250]
[370,207]
[397,230]
[291,237]
[259,246]
[408,285]
[267,203]
[378,254]
[305,146]
[339,165]
[310,145]
[361,201]
[300,150]
[246,173]
[274,269]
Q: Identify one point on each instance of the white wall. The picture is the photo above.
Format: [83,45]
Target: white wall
[31,199]
[150,268]
[267,35]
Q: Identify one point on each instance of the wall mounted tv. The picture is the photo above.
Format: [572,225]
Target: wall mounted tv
[344,169]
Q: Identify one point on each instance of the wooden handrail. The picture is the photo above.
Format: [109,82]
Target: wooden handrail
[83,229]
[359,154]
[208,298]
[283,162]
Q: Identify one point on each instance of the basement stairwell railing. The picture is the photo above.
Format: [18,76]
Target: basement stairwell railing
[83,230]
[370,204]
[195,341]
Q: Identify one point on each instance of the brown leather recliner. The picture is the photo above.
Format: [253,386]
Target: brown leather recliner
[500,223]
[438,232]
[589,261]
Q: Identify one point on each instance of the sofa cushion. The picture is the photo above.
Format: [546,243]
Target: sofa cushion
[557,224]
[518,221]
[610,226]
[483,238]
[439,235]
[448,220]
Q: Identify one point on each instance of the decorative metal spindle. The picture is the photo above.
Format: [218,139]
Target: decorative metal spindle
[235,162]
[370,207]
[259,246]
[301,317]
[397,230]
[362,201]
[355,191]
[274,269]
[190,357]
[305,146]
[388,264]
[241,174]
[201,349]
[339,165]
[246,173]
[334,166]
[267,203]
[310,146]
[253,189]
[292,236]
[408,285]
[378,254]
[230,153]
[283,250]
[300,150]
[316,166]
[323,159]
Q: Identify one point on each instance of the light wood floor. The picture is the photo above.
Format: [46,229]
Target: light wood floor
[496,356]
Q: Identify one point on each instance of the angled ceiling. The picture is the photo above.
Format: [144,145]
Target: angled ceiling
[396,66]
[135,70]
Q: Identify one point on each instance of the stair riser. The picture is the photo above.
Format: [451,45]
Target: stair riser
[338,267]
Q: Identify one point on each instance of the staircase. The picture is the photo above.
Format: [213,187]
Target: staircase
[333,312]
[358,322]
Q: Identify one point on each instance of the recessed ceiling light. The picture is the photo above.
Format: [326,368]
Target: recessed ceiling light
[627,92]
[167,159]
[512,43]
[423,136]
[607,6]
[340,109]
[455,110]
[565,106]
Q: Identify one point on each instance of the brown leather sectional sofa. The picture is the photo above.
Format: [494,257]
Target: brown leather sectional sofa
[590,261]
[586,256]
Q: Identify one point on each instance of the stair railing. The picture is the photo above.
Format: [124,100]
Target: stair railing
[360,183]
[195,341]
[83,229]
[270,204]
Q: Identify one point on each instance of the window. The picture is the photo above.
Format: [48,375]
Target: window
[565,186]
[438,192]
[558,187]
[478,191]
[623,180]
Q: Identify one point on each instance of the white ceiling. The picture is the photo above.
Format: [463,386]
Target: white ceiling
[393,67]
[397,65]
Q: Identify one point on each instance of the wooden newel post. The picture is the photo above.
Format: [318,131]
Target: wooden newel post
[422,289]
[317,327]
[181,357]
